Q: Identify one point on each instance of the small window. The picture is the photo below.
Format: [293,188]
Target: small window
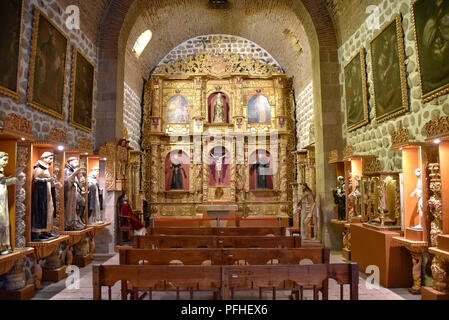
[142,43]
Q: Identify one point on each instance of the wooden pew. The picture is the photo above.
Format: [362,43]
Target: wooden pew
[263,231]
[316,276]
[286,256]
[166,242]
[148,278]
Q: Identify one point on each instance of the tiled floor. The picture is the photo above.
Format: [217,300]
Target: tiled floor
[58,291]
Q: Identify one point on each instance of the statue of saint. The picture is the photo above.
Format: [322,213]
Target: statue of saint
[340,198]
[43,202]
[81,202]
[311,215]
[419,193]
[71,190]
[357,196]
[262,170]
[219,110]
[219,165]
[95,203]
[5,235]
[178,171]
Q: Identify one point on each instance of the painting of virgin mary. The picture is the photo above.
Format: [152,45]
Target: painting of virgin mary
[259,110]
[178,110]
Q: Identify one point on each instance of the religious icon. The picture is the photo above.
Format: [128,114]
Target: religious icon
[95,202]
[178,110]
[261,175]
[5,234]
[340,198]
[309,214]
[176,171]
[259,110]
[218,167]
[71,189]
[42,208]
[419,193]
[218,108]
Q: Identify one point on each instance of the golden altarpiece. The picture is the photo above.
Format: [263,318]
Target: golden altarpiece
[218,137]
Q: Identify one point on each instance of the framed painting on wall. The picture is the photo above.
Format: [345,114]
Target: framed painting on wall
[259,110]
[82,92]
[389,75]
[431,24]
[49,58]
[178,110]
[356,92]
[11,16]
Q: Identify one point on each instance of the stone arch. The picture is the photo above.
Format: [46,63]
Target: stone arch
[115,31]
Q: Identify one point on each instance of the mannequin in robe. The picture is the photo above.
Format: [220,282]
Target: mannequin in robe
[81,202]
[178,171]
[340,198]
[5,235]
[71,186]
[219,110]
[94,197]
[261,166]
[418,191]
[42,208]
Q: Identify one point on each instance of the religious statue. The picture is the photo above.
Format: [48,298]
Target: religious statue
[357,195]
[419,192]
[311,215]
[5,235]
[220,169]
[95,203]
[122,158]
[218,115]
[81,201]
[71,190]
[43,202]
[178,172]
[340,198]
[262,168]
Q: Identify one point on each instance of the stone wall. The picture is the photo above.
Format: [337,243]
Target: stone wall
[305,117]
[132,116]
[375,138]
[43,123]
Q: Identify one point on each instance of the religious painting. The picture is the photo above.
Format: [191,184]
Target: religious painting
[177,164]
[260,171]
[218,106]
[356,92]
[219,167]
[431,24]
[390,83]
[178,110]
[49,57]
[81,101]
[259,110]
[11,13]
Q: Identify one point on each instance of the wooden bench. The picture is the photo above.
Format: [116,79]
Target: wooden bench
[263,231]
[166,242]
[224,279]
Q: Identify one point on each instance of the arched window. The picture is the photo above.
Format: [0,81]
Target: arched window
[142,43]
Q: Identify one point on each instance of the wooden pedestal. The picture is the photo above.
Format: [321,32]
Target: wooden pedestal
[443,242]
[429,293]
[26,293]
[414,235]
[377,248]
[54,275]
[82,261]
[346,254]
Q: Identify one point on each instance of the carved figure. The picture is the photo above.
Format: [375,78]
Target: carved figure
[72,189]
[419,193]
[219,166]
[95,198]
[340,198]
[311,215]
[5,235]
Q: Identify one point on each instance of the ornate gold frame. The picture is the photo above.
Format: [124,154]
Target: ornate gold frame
[365,120]
[405,102]
[5,91]
[437,92]
[37,14]
[72,91]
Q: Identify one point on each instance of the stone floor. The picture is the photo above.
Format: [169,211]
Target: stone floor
[58,291]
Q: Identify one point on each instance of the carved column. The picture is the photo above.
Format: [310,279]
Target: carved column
[434,203]
[440,267]
[21,194]
[416,272]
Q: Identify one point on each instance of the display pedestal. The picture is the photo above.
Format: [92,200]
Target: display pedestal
[26,293]
[372,247]
[414,235]
[55,275]
[82,261]
[429,293]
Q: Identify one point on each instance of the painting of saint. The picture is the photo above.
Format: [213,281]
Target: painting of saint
[10,35]
[431,22]
[178,110]
[218,108]
[356,92]
[82,92]
[259,110]
[177,171]
[390,87]
[219,171]
[48,66]
[260,171]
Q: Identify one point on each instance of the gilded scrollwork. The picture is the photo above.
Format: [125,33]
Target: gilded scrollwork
[434,204]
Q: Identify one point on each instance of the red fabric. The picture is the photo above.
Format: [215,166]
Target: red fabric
[128,212]
[212,99]
[184,159]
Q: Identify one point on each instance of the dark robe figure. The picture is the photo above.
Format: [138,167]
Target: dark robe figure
[176,182]
[261,177]
[340,199]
